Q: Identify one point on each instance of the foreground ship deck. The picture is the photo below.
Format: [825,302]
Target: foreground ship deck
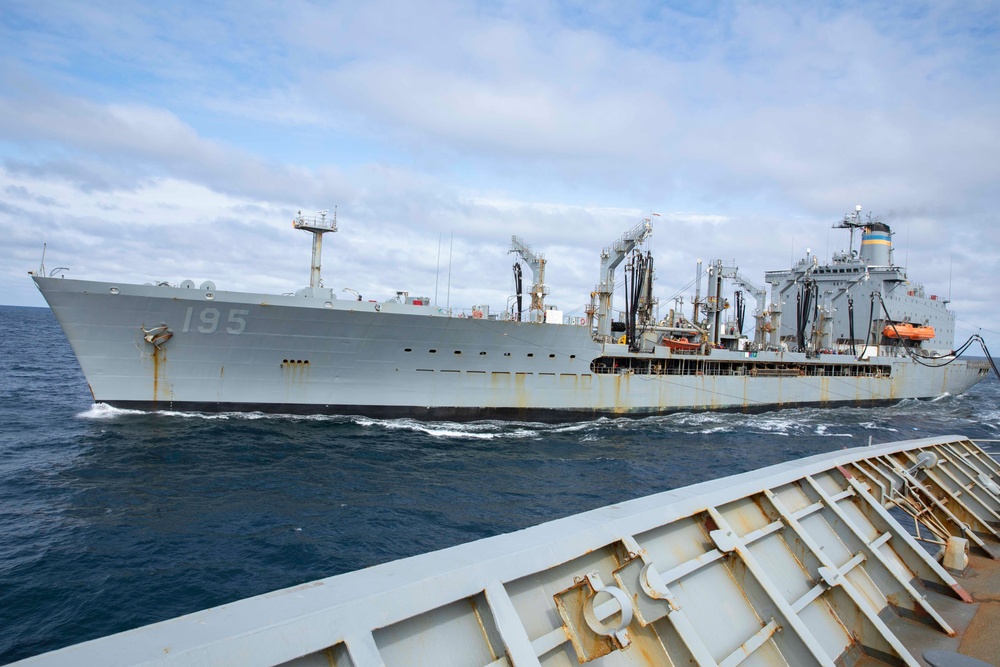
[802,563]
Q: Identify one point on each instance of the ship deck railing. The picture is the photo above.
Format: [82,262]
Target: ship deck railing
[692,365]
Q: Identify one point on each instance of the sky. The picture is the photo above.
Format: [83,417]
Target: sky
[152,141]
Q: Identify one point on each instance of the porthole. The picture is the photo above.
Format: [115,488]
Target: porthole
[114,290]
[552,356]
[506,354]
[531,354]
[209,296]
[458,352]
[482,354]
[433,351]
[572,356]
[408,349]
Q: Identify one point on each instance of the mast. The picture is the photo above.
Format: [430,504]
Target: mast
[317,226]
[851,221]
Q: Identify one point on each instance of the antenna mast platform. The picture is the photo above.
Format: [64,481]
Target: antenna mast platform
[317,225]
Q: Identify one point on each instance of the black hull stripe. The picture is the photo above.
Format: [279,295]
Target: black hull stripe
[464,414]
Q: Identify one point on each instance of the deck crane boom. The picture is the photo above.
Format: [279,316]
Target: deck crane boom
[758,293]
[611,257]
[535,262]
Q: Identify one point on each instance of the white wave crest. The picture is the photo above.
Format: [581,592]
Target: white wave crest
[473,430]
[772,424]
[822,430]
[105,411]
[193,415]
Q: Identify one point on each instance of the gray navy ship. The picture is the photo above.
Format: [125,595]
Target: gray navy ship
[854,330]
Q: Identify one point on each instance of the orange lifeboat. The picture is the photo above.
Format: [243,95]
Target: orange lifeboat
[907,331]
[680,344]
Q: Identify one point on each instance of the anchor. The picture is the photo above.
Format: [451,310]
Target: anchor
[157,336]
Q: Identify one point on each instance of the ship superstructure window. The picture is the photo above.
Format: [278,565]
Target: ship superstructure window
[506,354]
[531,354]
[458,352]
[552,356]
[408,349]
[432,351]
[482,354]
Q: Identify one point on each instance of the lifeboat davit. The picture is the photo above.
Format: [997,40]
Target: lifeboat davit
[908,331]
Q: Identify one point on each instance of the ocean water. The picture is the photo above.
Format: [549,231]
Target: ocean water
[110,519]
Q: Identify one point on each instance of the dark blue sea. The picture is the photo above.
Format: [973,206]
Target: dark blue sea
[110,520]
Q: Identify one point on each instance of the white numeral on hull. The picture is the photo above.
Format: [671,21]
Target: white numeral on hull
[209,318]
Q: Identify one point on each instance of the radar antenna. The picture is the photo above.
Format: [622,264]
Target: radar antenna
[316,225]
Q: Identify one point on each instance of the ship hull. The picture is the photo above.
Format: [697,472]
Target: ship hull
[233,351]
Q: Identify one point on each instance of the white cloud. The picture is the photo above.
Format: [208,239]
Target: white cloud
[177,143]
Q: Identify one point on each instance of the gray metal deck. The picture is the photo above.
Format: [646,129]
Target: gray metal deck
[796,564]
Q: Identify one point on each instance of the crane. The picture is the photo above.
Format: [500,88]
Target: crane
[535,262]
[758,293]
[611,257]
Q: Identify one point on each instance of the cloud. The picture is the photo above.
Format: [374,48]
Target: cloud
[21,192]
[118,147]
[186,139]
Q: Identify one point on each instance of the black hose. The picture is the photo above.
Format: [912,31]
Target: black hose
[629,292]
[850,323]
[804,307]
[951,356]
[815,298]
[740,310]
[989,357]
[518,289]
[636,272]
[798,319]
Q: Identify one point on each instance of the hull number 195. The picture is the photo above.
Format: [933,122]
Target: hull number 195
[210,319]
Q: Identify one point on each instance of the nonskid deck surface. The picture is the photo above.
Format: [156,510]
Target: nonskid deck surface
[802,563]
